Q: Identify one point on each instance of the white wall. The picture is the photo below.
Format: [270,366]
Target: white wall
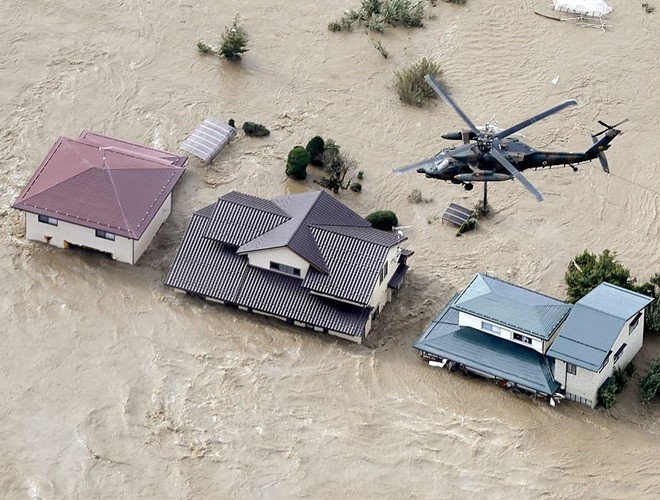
[465,319]
[586,383]
[382,294]
[121,248]
[160,217]
[281,255]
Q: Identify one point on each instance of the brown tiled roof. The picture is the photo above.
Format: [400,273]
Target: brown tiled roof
[102,183]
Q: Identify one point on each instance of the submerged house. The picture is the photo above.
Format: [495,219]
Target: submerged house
[306,259]
[534,342]
[100,193]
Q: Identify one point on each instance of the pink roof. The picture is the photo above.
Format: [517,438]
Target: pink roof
[102,183]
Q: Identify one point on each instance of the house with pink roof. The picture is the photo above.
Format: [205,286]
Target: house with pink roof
[100,193]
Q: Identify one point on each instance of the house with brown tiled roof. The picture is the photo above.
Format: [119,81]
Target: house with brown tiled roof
[100,193]
[306,259]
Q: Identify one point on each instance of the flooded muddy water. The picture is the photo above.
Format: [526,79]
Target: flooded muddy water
[115,387]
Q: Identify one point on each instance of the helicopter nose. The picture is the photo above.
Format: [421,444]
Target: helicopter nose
[421,170]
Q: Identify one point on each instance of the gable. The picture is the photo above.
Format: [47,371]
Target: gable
[512,306]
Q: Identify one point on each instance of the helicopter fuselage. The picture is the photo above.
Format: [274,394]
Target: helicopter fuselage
[465,164]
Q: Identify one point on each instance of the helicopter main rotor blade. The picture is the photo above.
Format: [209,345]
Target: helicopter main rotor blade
[535,118]
[414,166]
[448,100]
[515,172]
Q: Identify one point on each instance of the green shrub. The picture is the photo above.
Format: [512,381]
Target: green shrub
[233,43]
[204,48]
[588,270]
[410,83]
[360,175]
[255,129]
[607,393]
[296,163]
[620,379]
[315,148]
[383,219]
[649,384]
[376,14]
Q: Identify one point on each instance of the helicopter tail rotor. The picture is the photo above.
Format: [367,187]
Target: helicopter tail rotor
[609,127]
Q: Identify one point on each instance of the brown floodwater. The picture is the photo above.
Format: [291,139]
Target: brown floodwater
[115,387]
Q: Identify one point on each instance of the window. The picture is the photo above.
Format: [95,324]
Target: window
[607,360]
[383,273]
[489,327]
[276,266]
[48,220]
[619,353]
[522,338]
[105,235]
[634,323]
[571,368]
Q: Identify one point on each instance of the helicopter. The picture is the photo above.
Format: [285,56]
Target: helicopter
[489,154]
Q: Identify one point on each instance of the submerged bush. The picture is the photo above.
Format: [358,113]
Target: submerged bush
[376,14]
[411,85]
[296,163]
[255,129]
[383,219]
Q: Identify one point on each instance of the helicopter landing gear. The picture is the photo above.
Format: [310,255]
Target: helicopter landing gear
[468,187]
[575,169]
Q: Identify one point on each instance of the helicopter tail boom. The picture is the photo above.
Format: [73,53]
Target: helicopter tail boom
[601,145]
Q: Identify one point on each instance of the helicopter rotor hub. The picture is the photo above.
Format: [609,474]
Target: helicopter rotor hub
[485,143]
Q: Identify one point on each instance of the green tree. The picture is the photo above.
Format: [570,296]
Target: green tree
[588,270]
[233,43]
[383,219]
[296,163]
[315,148]
[649,384]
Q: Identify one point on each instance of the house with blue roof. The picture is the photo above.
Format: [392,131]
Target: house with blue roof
[534,342]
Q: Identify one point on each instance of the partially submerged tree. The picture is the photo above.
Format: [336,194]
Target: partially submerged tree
[385,220]
[315,148]
[587,271]
[411,85]
[233,43]
[296,163]
[337,165]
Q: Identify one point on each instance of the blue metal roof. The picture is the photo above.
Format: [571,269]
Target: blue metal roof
[513,306]
[486,353]
[594,324]
[615,301]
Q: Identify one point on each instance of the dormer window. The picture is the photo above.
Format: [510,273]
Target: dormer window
[283,268]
